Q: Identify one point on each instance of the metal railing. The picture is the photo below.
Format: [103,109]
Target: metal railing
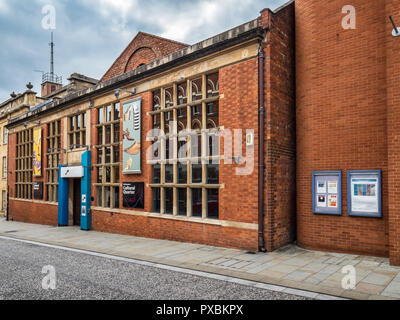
[51,77]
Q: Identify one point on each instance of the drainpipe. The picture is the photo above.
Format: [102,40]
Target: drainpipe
[261,166]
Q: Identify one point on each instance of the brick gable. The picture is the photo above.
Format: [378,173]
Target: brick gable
[143,49]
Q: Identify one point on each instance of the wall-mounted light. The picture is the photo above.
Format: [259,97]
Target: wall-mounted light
[396,30]
[26,123]
[91,104]
[118,91]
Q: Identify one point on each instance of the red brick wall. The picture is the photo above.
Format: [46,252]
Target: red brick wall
[141,56]
[393,128]
[144,48]
[157,228]
[37,213]
[239,110]
[280,124]
[341,117]
[29,211]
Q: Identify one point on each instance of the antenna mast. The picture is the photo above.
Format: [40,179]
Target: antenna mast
[52,55]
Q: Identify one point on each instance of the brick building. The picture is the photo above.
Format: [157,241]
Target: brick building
[95,170]
[348,121]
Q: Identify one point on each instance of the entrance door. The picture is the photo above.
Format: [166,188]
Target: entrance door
[77,202]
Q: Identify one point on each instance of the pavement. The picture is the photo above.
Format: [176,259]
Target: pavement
[291,270]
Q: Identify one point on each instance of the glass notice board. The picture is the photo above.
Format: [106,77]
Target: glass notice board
[327,192]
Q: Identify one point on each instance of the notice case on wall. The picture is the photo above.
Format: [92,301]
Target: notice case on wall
[327,192]
[364,193]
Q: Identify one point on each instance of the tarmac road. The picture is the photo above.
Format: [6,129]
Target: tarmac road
[81,276]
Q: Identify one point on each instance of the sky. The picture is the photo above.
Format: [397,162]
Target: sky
[90,34]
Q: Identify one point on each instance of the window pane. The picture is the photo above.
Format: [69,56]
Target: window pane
[100,116]
[169,195]
[100,136]
[197,202]
[182,199]
[213,174]
[116,156]
[157,100]
[84,120]
[197,173]
[117,111]
[116,198]
[169,97]
[116,132]
[71,124]
[212,115]
[99,156]
[182,93]
[182,173]
[169,173]
[116,175]
[108,113]
[157,174]
[156,200]
[99,175]
[99,196]
[108,174]
[212,203]
[107,197]
[212,85]
[196,89]
[108,155]
[108,134]
[78,122]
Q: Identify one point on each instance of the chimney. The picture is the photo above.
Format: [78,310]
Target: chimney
[49,87]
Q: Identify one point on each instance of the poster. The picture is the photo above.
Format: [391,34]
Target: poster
[133,195]
[321,187]
[131,142]
[364,195]
[332,201]
[38,190]
[333,187]
[321,201]
[37,152]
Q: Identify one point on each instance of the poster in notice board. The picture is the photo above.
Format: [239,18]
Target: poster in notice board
[365,195]
[327,197]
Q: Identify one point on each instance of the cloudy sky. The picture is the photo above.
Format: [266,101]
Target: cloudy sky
[90,34]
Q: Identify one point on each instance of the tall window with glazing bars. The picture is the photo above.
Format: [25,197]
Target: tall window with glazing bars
[24,165]
[53,160]
[108,156]
[77,131]
[186,157]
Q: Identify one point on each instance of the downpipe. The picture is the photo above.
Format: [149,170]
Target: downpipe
[261,166]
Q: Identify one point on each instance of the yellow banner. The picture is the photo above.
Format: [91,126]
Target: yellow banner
[37,152]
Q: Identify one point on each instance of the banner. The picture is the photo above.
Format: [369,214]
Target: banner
[131,142]
[37,152]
